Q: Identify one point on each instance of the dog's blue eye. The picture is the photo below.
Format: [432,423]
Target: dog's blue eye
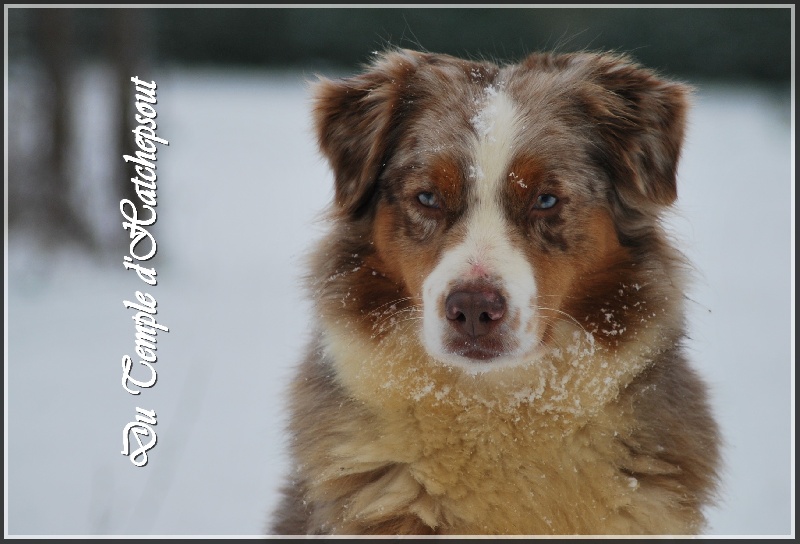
[545,202]
[428,200]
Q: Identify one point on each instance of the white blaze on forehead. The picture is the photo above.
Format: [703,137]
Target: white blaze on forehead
[486,251]
[496,128]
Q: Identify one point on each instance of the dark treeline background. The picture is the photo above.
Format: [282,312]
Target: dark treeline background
[48,46]
[730,43]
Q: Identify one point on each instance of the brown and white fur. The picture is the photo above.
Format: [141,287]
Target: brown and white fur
[499,315]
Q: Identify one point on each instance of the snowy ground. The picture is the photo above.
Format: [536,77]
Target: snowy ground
[239,188]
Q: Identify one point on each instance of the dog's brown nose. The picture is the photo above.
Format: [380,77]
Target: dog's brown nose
[475,313]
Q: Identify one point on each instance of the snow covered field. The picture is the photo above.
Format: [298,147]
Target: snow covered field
[239,188]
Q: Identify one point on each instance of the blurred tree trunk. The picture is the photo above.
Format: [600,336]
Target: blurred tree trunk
[128,39]
[55,213]
[44,195]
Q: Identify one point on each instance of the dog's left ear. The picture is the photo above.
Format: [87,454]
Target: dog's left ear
[355,118]
[641,120]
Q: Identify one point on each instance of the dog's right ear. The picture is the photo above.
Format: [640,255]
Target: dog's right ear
[355,118]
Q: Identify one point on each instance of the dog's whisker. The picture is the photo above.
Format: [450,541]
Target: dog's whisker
[388,308]
[564,314]
[393,316]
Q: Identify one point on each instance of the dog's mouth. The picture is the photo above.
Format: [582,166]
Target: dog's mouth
[476,349]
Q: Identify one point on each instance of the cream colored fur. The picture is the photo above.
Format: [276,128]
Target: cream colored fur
[487,454]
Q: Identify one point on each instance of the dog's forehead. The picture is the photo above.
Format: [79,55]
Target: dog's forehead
[458,106]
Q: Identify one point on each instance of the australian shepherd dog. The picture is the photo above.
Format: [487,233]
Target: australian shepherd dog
[499,314]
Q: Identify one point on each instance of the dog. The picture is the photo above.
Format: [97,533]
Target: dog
[499,314]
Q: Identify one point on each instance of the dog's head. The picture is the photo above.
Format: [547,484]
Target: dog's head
[505,206]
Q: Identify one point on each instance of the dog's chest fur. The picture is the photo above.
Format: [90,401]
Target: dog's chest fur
[397,454]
